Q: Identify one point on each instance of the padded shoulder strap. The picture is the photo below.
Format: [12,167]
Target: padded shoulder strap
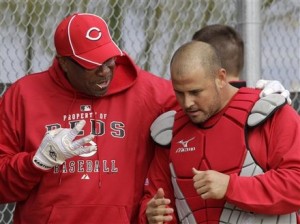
[264,108]
[161,128]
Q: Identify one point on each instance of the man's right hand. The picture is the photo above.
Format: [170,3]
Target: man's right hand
[58,145]
[157,211]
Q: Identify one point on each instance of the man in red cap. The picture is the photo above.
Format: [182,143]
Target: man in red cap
[96,106]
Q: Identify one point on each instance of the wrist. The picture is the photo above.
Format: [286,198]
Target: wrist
[37,163]
[41,162]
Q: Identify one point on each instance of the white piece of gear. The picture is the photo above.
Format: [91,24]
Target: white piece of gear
[161,128]
[264,108]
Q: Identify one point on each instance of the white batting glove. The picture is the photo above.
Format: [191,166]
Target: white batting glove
[272,86]
[58,145]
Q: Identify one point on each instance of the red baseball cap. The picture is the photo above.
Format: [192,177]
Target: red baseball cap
[86,38]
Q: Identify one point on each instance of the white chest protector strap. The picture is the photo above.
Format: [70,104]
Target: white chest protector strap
[230,214]
[184,212]
[161,128]
[233,215]
[264,108]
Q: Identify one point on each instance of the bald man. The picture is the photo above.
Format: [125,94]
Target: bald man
[216,169]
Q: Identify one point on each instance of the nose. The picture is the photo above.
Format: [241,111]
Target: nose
[103,70]
[188,101]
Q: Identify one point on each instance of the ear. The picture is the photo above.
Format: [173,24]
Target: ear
[221,78]
[62,62]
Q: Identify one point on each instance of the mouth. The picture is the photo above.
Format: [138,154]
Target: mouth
[103,85]
[193,113]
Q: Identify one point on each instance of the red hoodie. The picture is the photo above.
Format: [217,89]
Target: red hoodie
[104,187]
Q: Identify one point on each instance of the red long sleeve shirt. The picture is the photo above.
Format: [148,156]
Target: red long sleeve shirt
[275,146]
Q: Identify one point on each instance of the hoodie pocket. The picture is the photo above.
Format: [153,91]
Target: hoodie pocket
[88,214]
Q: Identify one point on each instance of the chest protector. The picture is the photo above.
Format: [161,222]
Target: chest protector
[220,147]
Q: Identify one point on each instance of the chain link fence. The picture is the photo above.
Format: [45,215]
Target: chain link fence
[280,44]
[150,31]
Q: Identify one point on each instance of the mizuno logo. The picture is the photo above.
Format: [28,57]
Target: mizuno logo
[185,143]
[185,147]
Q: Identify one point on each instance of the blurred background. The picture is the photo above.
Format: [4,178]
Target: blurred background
[150,32]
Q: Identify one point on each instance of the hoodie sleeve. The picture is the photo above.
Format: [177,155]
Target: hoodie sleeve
[276,147]
[18,174]
[159,176]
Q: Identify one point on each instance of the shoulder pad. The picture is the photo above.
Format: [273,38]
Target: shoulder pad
[161,128]
[264,108]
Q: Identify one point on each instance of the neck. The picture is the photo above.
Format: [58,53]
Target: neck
[228,92]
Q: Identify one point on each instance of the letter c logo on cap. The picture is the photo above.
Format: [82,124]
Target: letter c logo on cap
[88,33]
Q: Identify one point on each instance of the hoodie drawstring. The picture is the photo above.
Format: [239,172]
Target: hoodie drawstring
[98,150]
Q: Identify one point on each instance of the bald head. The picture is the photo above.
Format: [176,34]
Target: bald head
[199,81]
[195,55]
